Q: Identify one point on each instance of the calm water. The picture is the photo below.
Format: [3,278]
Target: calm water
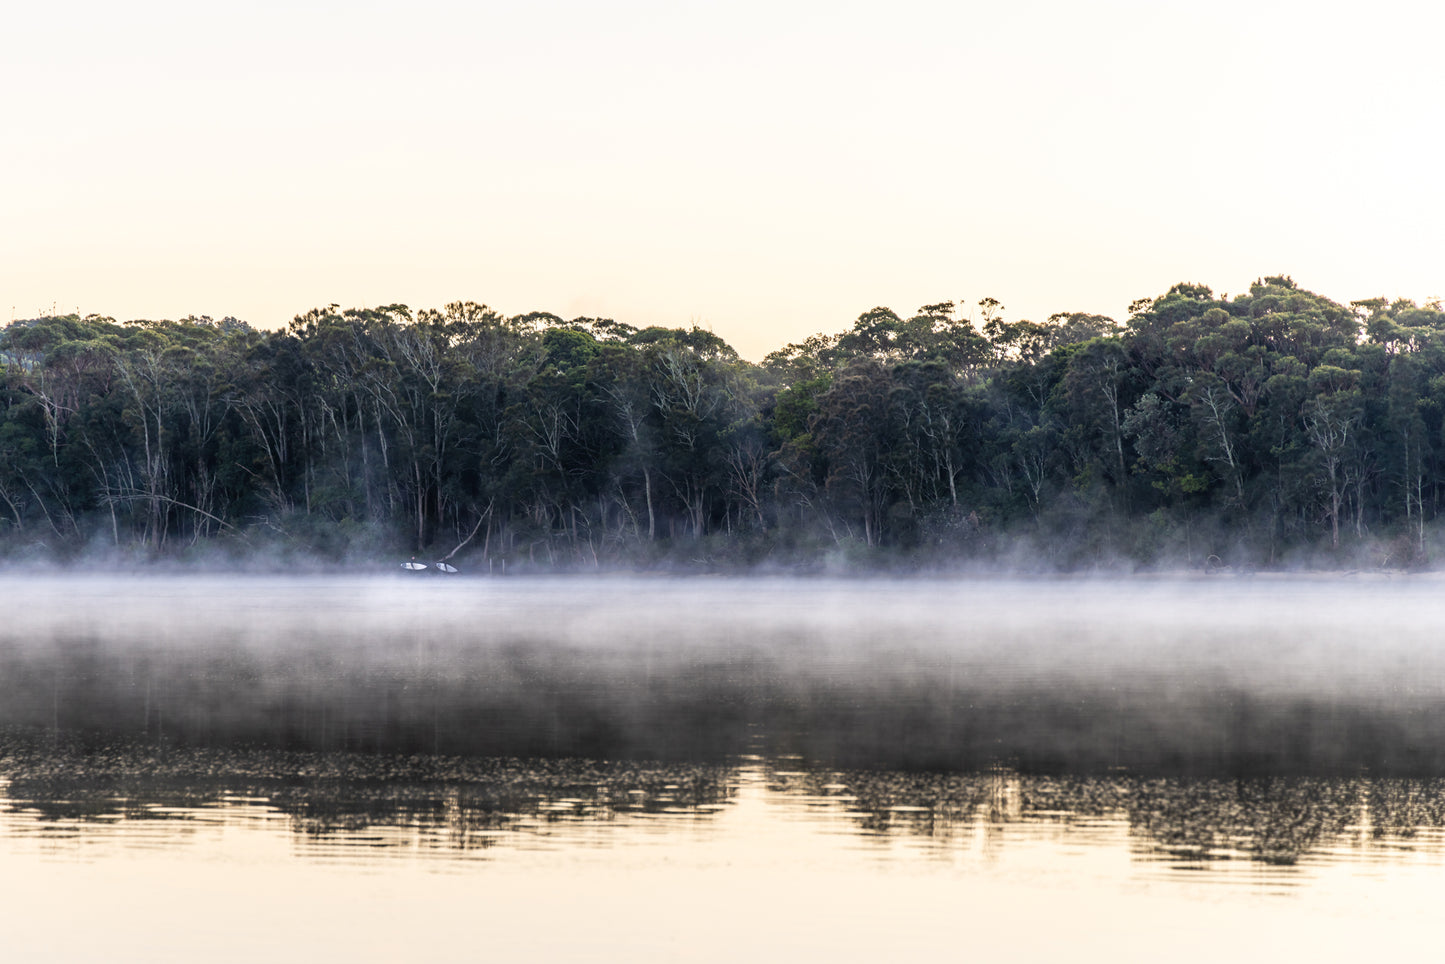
[701,770]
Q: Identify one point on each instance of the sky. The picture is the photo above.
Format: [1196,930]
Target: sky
[767,170]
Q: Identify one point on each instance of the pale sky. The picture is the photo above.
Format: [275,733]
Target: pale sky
[765,169]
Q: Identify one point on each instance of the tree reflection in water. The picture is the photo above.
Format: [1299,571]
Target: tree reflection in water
[458,804]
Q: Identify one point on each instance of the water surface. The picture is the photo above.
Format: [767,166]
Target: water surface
[132,857]
[662,769]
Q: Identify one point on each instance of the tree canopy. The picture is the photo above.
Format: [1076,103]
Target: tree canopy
[1271,428]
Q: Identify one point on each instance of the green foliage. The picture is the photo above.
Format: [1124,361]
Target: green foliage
[1272,427]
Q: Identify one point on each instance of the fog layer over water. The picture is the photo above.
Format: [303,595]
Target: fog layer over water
[654,769]
[1205,677]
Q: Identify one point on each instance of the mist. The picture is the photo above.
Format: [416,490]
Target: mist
[1203,676]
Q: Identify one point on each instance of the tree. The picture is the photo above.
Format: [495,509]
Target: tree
[852,431]
[1330,421]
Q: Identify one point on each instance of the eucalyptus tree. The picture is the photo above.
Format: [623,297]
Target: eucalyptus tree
[878,333]
[802,361]
[852,431]
[332,389]
[799,468]
[1412,339]
[58,462]
[202,358]
[928,413]
[748,461]
[555,441]
[442,366]
[146,370]
[619,379]
[688,376]
[1332,417]
[271,386]
[1098,390]
[1159,434]
[750,464]
[936,333]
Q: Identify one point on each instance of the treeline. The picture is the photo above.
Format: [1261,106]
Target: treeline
[1273,428]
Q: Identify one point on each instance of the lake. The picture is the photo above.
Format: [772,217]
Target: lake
[633,768]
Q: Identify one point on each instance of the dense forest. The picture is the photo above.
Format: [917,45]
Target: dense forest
[1271,429]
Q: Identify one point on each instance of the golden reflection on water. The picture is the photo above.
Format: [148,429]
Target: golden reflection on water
[768,858]
[1290,824]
